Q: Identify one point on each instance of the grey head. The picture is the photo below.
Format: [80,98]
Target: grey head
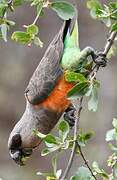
[22,140]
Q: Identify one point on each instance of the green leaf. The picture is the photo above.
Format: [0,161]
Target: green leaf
[49,138]
[93,102]
[4,31]
[99,171]
[111,135]
[47,151]
[115,170]
[63,130]
[71,76]
[18,2]
[82,173]
[32,29]
[112,147]
[78,90]
[58,173]
[88,136]
[83,138]
[111,52]
[54,164]
[38,42]
[106,21]
[9,22]
[65,10]
[94,6]
[3,6]
[40,9]
[40,135]
[21,37]
[114,27]
[114,123]
[45,174]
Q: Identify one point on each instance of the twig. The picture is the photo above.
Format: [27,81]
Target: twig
[78,112]
[109,42]
[85,161]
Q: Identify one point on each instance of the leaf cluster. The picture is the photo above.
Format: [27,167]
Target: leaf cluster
[64,9]
[83,87]
[107,13]
[59,144]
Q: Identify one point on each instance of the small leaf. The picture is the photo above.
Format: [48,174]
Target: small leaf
[9,23]
[38,42]
[47,151]
[78,90]
[93,102]
[54,164]
[112,147]
[45,174]
[18,2]
[21,37]
[40,9]
[115,170]
[94,6]
[40,135]
[111,135]
[72,76]
[114,27]
[83,138]
[4,31]
[111,52]
[99,171]
[114,123]
[88,136]
[65,10]
[3,7]
[32,29]
[63,130]
[49,138]
[58,173]
[82,173]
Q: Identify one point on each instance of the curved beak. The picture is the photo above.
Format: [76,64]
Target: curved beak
[20,156]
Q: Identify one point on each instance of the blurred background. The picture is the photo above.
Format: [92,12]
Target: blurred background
[17,64]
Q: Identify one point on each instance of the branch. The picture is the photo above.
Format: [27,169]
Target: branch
[93,73]
[109,42]
[77,119]
[85,161]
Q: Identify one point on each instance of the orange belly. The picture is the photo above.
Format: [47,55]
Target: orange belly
[57,100]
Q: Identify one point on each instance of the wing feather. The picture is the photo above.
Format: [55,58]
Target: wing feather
[48,71]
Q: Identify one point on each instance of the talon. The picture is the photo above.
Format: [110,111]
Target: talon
[100,59]
[69,116]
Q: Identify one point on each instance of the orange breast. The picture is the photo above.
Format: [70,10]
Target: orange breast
[57,100]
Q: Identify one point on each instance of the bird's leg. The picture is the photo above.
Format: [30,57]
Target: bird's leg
[69,115]
[98,58]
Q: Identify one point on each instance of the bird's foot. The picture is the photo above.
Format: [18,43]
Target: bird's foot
[99,59]
[69,115]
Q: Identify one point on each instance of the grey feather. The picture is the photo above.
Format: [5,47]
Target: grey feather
[48,71]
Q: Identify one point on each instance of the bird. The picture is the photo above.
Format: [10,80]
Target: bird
[46,94]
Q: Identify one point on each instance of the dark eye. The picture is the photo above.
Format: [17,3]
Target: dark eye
[16,141]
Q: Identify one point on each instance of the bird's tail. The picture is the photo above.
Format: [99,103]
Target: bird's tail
[71,32]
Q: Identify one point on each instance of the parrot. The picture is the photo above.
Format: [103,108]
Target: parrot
[46,93]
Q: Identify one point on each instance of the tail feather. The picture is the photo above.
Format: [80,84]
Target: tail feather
[71,33]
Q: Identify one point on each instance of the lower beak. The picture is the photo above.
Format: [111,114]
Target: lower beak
[20,156]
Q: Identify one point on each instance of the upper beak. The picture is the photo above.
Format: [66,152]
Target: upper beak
[20,156]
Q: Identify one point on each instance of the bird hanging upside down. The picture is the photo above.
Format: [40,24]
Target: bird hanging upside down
[46,93]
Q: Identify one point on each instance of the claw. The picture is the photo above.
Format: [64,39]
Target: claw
[100,59]
[69,115]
